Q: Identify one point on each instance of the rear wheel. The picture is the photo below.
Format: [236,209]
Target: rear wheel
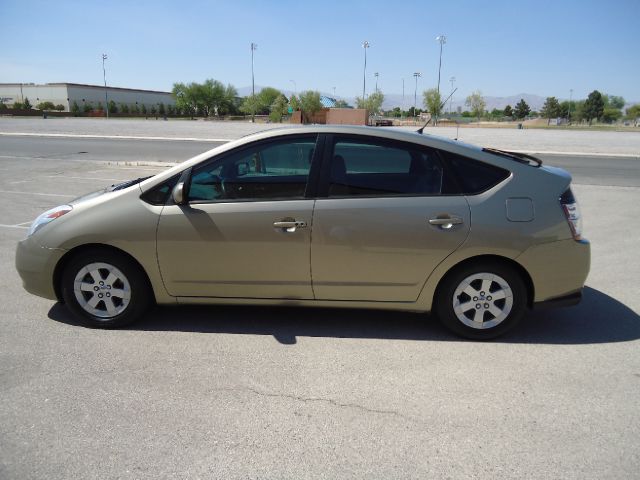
[481,301]
[105,289]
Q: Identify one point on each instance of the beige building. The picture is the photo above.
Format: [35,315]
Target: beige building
[67,93]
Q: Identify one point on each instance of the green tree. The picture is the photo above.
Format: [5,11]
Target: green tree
[341,104]
[521,110]
[550,109]
[593,106]
[59,107]
[373,102]
[75,108]
[279,108]
[161,109]
[309,104]
[153,109]
[100,108]
[124,108]
[171,109]
[250,105]
[633,112]
[613,101]
[18,105]
[476,103]
[87,107]
[113,108]
[432,102]
[508,111]
[143,109]
[45,106]
[26,104]
[496,114]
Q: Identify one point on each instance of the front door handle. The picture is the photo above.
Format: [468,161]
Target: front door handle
[289,225]
[445,222]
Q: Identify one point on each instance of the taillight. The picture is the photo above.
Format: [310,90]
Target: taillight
[572,212]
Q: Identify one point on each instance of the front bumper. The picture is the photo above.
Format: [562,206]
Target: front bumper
[36,265]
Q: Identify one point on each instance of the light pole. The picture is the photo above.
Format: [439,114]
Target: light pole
[570,97]
[452,80]
[295,87]
[402,109]
[376,75]
[415,94]
[365,45]
[254,46]
[104,76]
[442,40]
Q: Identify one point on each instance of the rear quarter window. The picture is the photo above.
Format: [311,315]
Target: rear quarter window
[474,176]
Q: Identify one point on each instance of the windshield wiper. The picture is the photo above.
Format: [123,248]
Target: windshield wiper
[520,157]
[127,184]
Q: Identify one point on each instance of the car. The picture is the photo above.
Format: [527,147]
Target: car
[327,216]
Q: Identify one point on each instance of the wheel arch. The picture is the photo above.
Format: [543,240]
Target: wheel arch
[522,272]
[68,256]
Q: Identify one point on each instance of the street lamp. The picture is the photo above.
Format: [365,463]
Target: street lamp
[104,76]
[254,46]
[452,80]
[415,93]
[442,40]
[402,109]
[295,87]
[570,97]
[365,45]
[376,75]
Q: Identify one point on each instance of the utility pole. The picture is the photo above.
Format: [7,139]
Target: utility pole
[415,94]
[376,75]
[402,108]
[253,85]
[104,76]
[452,80]
[365,45]
[570,97]
[442,40]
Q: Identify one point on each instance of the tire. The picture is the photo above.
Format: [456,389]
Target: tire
[481,301]
[105,289]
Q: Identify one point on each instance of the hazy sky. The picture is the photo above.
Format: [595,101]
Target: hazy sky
[500,47]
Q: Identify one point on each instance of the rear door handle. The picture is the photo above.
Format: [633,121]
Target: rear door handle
[445,222]
[290,225]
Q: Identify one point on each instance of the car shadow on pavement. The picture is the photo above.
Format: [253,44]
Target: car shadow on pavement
[598,319]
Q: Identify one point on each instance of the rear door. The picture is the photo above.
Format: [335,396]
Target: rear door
[387,219]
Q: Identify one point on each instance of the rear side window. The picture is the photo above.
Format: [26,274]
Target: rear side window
[371,168]
[474,176]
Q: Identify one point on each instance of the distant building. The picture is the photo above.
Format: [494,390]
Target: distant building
[67,93]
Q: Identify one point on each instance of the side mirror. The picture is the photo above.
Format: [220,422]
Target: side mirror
[178,193]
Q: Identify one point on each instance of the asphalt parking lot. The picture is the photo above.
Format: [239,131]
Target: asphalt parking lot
[304,393]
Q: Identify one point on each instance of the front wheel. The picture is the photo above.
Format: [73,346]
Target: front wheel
[481,301]
[105,289]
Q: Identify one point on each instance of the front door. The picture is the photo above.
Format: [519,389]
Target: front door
[245,232]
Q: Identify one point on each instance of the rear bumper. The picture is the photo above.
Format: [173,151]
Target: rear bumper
[557,269]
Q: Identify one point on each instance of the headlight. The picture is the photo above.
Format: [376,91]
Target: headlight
[48,216]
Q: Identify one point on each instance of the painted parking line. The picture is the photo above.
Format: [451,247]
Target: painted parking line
[114,137]
[37,193]
[64,177]
[2,225]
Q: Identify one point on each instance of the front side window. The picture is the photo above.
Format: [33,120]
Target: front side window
[274,170]
[383,168]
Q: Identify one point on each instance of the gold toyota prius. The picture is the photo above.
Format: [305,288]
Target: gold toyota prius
[328,216]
